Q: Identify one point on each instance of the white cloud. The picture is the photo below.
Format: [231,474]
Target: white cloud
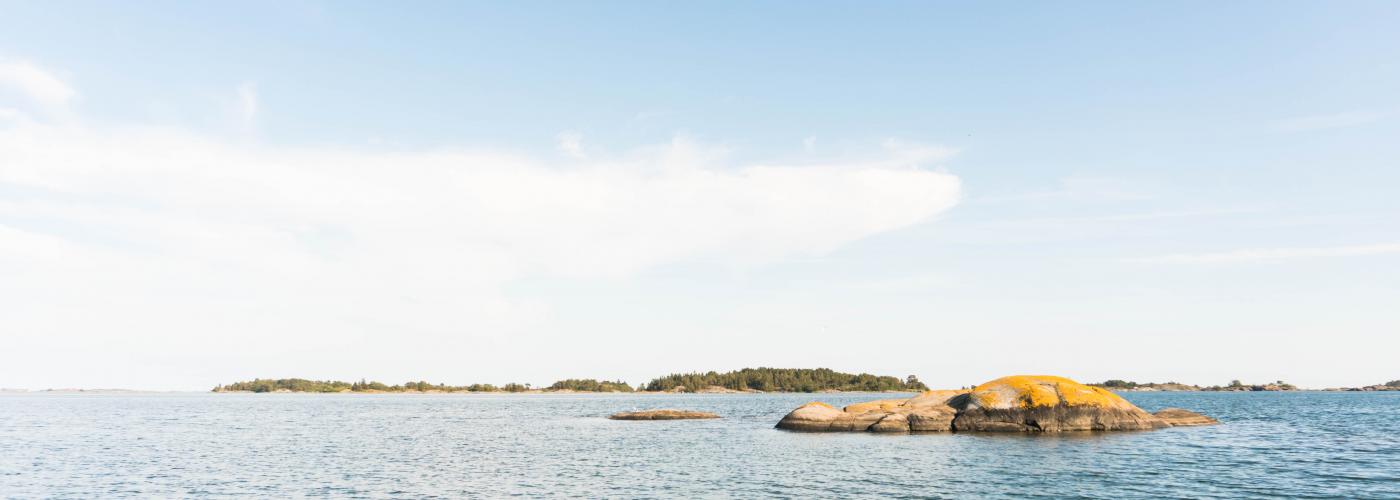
[8,114]
[1329,121]
[1275,254]
[138,254]
[165,250]
[36,84]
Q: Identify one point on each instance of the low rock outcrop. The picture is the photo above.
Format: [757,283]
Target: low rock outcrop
[1178,417]
[662,415]
[927,412]
[1022,403]
[822,417]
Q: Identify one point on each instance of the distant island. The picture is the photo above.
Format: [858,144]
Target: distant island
[745,380]
[589,385]
[1393,385]
[785,380]
[1233,386]
[304,385]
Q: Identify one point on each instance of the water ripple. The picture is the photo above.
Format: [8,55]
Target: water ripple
[1303,445]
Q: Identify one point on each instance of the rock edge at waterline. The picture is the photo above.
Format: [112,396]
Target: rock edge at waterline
[1019,403]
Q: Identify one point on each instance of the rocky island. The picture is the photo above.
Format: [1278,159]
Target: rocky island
[1020,403]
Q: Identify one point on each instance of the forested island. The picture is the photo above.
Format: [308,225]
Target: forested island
[784,380]
[745,380]
[589,385]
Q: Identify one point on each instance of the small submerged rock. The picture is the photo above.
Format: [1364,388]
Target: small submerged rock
[1178,417]
[662,415]
[1022,403]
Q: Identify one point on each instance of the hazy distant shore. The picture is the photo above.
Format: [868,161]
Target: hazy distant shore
[1235,386]
[746,381]
[756,380]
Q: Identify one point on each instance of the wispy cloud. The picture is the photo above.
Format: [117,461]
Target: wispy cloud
[175,243]
[38,86]
[1329,121]
[1274,254]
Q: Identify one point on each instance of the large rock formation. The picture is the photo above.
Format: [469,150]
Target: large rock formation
[662,415]
[1042,403]
[1022,403]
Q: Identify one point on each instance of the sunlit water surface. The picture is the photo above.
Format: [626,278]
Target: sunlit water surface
[1336,445]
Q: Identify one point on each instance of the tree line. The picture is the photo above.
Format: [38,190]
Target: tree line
[757,379]
[589,385]
[785,380]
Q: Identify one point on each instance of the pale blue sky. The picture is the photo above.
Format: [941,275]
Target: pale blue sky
[1197,191]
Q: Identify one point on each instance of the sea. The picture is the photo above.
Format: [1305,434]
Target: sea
[196,445]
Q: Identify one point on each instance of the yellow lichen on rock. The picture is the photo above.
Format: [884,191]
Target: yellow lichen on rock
[1082,395]
[1044,403]
[1031,391]
[1018,391]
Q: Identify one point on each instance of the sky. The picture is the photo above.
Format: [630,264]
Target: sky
[469,192]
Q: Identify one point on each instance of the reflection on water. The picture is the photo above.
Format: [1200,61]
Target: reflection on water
[279,445]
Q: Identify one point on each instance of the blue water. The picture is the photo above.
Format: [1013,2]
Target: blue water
[292,445]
